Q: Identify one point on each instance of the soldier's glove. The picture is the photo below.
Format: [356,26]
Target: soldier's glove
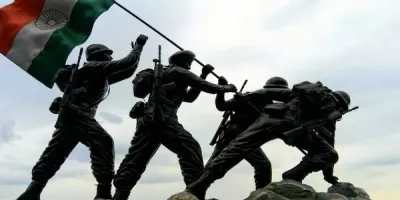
[229,88]
[334,116]
[207,69]
[141,40]
[331,179]
[222,81]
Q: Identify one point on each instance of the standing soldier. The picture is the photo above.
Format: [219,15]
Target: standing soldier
[305,103]
[79,123]
[170,133]
[320,147]
[244,115]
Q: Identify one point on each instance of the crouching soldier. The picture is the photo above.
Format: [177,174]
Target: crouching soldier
[319,144]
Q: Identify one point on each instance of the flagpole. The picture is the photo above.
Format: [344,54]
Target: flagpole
[162,35]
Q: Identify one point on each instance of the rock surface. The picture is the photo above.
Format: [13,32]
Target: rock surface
[293,190]
[289,189]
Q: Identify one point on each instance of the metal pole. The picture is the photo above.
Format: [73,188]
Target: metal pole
[162,35]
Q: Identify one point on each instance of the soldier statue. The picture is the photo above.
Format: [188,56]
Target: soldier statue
[319,144]
[150,135]
[244,115]
[306,102]
[79,123]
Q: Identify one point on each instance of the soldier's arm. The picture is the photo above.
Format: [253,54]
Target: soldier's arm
[189,78]
[193,93]
[121,75]
[271,94]
[114,69]
[223,105]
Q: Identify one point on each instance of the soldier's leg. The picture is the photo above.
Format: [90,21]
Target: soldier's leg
[101,147]
[264,129]
[188,150]
[60,146]
[219,146]
[143,147]
[320,155]
[262,167]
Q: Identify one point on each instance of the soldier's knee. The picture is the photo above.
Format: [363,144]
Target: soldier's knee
[334,156]
[107,141]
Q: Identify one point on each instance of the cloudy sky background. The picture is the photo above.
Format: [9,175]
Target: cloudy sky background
[348,45]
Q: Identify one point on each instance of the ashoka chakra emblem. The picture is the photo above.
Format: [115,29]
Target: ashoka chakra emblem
[50,20]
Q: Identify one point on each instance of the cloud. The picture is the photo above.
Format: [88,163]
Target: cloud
[348,45]
[111,118]
[7,131]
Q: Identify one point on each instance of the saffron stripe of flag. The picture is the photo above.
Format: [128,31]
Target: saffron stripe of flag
[39,35]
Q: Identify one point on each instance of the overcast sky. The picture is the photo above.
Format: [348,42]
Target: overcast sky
[348,45]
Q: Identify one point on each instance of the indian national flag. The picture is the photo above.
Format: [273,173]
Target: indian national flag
[39,35]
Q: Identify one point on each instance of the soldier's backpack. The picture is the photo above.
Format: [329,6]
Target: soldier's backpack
[316,100]
[143,83]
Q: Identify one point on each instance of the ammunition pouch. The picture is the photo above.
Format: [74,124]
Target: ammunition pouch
[137,110]
[291,137]
[276,110]
[55,105]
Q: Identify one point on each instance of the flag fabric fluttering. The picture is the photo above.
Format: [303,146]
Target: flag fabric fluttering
[39,35]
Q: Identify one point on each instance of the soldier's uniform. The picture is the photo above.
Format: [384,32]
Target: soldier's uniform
[244,115]
[170,133]
[321,155]
[79,123]
[266,128]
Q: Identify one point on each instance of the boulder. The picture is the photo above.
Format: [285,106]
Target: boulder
[348,190]
[183,196]
[293,190]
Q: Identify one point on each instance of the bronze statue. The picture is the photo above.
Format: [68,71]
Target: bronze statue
[153,131]
[306,102]
[244,115]
[319,144]
[78,121]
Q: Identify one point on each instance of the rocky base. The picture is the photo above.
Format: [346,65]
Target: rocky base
[293,190]
[289,189]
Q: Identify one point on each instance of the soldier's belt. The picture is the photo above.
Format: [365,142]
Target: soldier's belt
[85,112]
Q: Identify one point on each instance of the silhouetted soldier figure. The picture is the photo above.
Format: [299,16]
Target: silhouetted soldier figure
[244,115]
[320,146]
[277,119]
[80,124]
[170,133]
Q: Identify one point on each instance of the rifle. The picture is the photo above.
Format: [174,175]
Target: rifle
[225,118]
[290,136]
[156,95]
[68,93]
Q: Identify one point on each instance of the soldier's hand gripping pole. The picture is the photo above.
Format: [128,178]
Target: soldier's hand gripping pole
[155,30]
[225,118]
[68,92]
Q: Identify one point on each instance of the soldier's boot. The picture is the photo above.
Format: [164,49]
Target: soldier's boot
[262,177]
[121,195]
[199,187]
[103,192]
[33,191]
[299,172]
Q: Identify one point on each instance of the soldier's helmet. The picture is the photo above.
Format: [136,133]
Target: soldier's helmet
[343,98]
[182,58]
[276,82]
[93,49]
